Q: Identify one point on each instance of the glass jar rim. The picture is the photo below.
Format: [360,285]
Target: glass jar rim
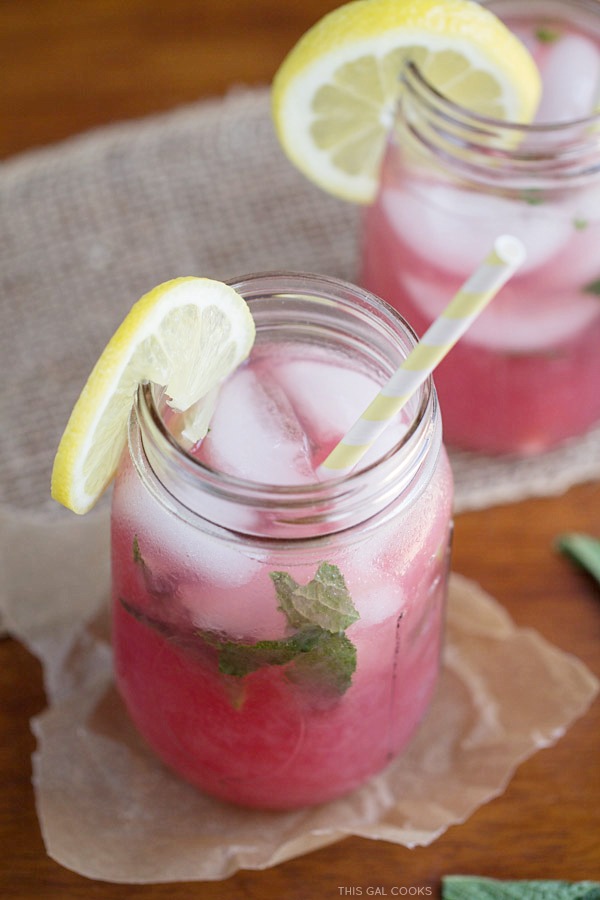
[415,80]
[508,155]
[171,463]
[541,129]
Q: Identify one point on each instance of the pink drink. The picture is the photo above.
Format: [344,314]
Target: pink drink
[525,377]
[229,689]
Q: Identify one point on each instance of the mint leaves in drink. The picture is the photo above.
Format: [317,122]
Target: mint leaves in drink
[317,653]
[593,288]
[547,35]
[320,659]
[324,601]
[321,654]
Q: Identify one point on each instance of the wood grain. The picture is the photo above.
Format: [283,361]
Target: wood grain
[69,66]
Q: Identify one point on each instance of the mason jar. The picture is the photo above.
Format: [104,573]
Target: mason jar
[276,637]
[525,377]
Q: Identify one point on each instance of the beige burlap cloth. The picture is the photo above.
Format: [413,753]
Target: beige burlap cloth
[90,225]
[86,228]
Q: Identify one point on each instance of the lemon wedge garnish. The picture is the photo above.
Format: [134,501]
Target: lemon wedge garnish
[335,94]
[186,335]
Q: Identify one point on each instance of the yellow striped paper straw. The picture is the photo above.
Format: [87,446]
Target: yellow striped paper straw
[502,261]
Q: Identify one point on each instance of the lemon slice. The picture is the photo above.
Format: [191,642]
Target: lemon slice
[335,94]
[186,335]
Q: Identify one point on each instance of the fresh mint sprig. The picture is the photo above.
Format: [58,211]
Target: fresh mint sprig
[593,287]
[158,586]
[239,659]
[318,654]
[472,887]
[324,601]
[320,659]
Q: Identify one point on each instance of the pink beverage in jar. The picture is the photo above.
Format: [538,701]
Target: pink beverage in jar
[277,639]
[527,374]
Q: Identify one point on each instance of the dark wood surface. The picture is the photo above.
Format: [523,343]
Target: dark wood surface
[70,65]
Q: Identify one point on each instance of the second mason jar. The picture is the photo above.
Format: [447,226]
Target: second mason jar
[277,638]
[526,375]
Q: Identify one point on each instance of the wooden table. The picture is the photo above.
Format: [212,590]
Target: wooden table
[69,66]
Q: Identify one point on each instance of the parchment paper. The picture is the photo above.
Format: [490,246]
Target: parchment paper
[109,810]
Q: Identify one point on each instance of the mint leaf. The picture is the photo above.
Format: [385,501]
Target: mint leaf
[239,659]
[324,601]
[178,635]
[137,554]
[533,196]
[547,35]
[318,653]
[582,549]
[470,887]
[580,224]
[160,587]
[285,587]
[593,288]
[316,658]
[330,664]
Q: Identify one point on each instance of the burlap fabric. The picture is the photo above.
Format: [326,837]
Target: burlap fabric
[90,225]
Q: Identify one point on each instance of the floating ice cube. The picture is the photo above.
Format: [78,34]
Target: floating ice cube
[385,568]
[330,398]
[250,612]
[571,80]
[454,229]
[578,263]
[255,433]
[175,550]
[380,599]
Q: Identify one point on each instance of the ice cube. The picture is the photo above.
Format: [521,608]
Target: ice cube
[329,399]
[454,229]
[255,433]
[571,79]
[578,263]
[250,612]
[175,550]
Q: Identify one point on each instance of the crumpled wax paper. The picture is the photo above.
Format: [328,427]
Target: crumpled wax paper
[110,810]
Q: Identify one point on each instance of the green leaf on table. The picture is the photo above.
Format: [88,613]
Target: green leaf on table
[324,601]
[582,549]
[471,887]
